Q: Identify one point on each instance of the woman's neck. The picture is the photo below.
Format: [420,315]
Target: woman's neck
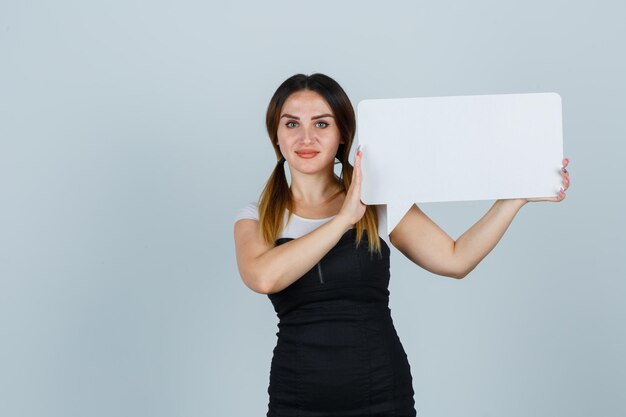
[309,190]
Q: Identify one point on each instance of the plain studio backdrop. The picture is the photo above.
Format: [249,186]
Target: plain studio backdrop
[131,132]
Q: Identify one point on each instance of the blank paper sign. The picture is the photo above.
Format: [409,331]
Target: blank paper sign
[459,148]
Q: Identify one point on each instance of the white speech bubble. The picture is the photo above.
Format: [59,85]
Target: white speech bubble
[459,148]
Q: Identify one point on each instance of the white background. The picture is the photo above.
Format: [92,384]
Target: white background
[131,132]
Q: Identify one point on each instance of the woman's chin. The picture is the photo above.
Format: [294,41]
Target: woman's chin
[311,168]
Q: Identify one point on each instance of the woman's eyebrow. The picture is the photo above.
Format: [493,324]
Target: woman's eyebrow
[290,116]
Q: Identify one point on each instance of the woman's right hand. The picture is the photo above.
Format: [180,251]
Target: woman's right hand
[353,209]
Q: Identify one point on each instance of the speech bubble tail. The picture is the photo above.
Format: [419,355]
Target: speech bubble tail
[395,213]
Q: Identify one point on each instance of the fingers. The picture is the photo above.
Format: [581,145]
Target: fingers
[566,181]
[359,155]
[357,178]
[353,208]
[356,173]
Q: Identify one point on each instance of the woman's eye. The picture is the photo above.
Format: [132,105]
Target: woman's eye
[293,124]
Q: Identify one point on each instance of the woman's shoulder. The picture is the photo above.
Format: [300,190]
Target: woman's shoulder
[298,227]
[249,211]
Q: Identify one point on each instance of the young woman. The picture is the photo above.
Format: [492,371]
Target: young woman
[309,247]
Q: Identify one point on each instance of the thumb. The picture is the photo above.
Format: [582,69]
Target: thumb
[356,173]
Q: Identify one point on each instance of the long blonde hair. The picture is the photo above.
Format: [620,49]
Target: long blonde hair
[276,196]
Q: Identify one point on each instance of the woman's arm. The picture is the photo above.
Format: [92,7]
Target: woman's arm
[428,246]
[267,269]
[476,243]
[424,243]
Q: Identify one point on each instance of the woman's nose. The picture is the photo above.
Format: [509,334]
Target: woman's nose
[307,136]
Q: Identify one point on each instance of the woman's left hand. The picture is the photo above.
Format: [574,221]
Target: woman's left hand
[561,195]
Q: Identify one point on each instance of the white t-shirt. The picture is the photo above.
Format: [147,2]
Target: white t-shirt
[300,226]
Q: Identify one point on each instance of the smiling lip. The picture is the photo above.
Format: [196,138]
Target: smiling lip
[307,154]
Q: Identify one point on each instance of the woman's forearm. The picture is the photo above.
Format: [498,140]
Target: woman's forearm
[284,264]
[473,245]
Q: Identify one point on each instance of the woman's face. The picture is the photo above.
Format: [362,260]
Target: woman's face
[308,136]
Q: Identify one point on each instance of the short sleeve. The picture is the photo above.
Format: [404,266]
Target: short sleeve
[250,211]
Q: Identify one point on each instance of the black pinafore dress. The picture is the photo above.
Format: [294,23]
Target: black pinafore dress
[338,353]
